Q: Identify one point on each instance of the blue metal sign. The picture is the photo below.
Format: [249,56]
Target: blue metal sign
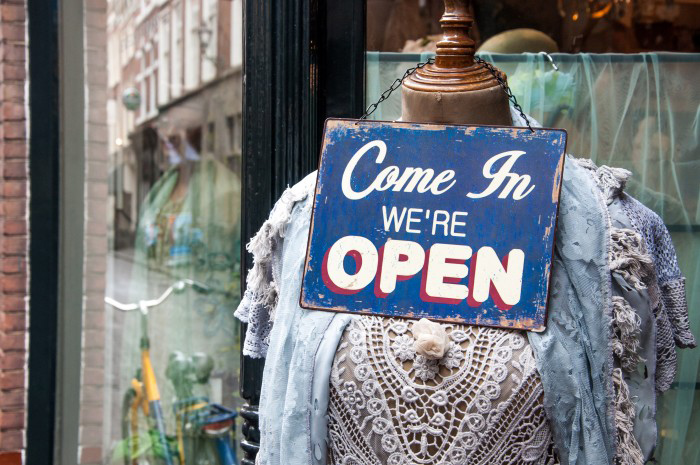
[452,223]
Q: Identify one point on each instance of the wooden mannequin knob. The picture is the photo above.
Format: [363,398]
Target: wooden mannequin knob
[456,49]
[454,69]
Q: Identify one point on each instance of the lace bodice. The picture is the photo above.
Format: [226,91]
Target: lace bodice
[480,404]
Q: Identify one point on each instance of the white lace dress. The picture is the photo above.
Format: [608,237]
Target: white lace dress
[480,404]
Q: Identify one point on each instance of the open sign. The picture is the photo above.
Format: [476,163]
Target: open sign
[448,222]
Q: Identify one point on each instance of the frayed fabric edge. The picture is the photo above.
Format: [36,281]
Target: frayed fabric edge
[257,307]
[626,255]
[627,331]
[629,257]
[628,450]
[263,244]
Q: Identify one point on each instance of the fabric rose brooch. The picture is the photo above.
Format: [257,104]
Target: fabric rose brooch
[431,339]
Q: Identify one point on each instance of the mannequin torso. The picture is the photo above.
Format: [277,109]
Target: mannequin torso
[482,402]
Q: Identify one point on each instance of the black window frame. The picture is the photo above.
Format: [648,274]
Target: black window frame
[303,62]
[42,24]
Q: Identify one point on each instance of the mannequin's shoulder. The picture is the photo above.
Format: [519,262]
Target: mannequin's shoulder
[307,185]
[300,192]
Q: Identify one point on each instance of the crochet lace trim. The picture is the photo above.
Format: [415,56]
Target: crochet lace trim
[676,306]
[481,403]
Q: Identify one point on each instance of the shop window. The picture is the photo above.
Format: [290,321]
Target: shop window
[163,204]
[412,26]
[634,110]
[234,127]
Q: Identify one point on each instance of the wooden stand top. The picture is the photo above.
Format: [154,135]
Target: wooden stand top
[455,69]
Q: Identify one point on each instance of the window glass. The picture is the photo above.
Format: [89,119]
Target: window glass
[636,111]
[513,26]
[163,237]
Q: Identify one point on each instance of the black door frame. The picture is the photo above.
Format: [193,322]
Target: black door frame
[303,62]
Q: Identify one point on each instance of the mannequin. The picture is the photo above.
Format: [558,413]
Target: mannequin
[479,400]
[455,89]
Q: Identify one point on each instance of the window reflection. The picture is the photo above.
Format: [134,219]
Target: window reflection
[514,26]
[172,100]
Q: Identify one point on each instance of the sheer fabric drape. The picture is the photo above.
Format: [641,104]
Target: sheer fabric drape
[639,112]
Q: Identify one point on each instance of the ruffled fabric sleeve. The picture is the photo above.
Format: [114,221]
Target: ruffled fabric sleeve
[257,307]
[670,280]
[660,274]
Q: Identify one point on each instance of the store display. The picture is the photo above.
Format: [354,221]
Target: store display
[291,371]
[585,389]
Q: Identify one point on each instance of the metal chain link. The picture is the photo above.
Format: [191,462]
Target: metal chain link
[397,83]
[506,89]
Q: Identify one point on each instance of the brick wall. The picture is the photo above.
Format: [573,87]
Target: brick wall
[13,230]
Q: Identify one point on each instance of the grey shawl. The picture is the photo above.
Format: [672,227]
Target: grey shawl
[574,353]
